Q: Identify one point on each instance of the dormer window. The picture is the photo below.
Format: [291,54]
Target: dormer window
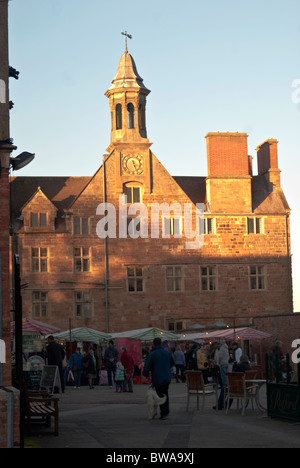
[130,115]
[38,220]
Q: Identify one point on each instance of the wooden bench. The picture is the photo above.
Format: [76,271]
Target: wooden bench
[41,406]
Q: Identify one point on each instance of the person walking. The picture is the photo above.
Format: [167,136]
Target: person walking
[128,363]
[223,363]
[180,363]
[55,357]
[76,367]
[111,357]
[120,377]
[159,363]
[91,364]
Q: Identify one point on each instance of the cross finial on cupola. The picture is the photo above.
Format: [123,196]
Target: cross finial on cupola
[126,36]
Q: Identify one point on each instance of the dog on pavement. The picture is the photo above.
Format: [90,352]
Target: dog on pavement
[153,402]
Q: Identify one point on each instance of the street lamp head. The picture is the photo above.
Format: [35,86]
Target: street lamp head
[21,161]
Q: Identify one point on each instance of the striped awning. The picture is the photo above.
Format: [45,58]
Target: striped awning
[33,327]
[83,334]
[237,334]
[147,334]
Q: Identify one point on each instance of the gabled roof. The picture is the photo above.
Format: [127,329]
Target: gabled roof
[39,193]
[194,187]
[264,201]
[61,191]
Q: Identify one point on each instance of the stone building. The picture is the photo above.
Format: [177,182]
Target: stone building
[117,283]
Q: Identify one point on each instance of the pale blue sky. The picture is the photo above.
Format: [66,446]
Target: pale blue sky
[210,66]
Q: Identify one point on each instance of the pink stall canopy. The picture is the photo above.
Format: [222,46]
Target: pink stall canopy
[32,327]
[236,334]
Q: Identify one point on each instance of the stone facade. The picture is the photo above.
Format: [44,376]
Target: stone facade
[242,270]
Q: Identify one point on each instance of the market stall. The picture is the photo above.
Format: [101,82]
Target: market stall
[242,334]
[232,334]
[33,335]
[84,338]
[33,346]
[138,343]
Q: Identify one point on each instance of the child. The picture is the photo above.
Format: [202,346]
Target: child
[119,377]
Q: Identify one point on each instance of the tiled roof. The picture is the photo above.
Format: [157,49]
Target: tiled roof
[61,191]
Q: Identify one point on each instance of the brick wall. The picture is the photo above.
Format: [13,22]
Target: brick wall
[227,154]
[4,248]
[4,398]
[230,250]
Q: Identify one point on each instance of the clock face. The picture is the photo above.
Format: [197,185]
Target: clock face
[133,164]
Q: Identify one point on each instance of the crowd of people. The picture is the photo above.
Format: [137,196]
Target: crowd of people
[118,367]
[210,359]
[161,364]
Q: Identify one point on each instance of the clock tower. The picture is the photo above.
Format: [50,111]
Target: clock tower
[127,98]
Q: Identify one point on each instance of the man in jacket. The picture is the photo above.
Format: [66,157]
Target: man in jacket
[159,363]
[55,357]
[111,357]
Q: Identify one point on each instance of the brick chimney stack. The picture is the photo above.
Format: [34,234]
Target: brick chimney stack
[227,154]
[267,161]
[229,173]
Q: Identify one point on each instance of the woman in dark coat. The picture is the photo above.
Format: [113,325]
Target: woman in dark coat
[91,365]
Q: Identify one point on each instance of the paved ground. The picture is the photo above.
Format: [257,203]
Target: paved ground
[100,418]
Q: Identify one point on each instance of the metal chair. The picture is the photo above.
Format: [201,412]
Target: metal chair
[196,387]
[239,389]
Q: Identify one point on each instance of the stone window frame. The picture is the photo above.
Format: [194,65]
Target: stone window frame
[258,277]
[82,254]
[83,230]
[175,279]
[119,117]
[39,262]
[135,282]
[208,230]
[39,303]
[130,109]
[258,225]
[173,325]
[132,186]
[173,231]
[211,278]
[38,222]
[81,299]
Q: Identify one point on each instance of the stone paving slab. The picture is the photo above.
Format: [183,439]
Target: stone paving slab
[100,418]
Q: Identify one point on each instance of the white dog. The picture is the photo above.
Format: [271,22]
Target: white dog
[153,401]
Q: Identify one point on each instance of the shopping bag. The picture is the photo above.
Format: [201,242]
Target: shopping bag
[70,377]
[103,379]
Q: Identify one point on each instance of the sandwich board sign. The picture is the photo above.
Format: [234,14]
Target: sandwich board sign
[50,379]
